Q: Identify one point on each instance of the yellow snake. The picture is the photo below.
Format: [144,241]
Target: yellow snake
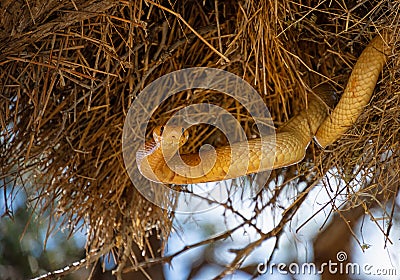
[158,160]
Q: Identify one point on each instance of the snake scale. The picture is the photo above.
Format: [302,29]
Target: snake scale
[159,161]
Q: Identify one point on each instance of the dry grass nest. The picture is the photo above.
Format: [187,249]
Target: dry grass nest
[70,70]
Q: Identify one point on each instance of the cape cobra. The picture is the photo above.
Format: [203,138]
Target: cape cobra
[158,160]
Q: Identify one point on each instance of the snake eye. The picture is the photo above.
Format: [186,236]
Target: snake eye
[183,130]
[161,129]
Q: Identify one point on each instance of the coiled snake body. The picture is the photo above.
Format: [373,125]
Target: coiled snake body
[158,160]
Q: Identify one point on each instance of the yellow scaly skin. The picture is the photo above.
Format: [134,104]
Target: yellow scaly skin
[286,148]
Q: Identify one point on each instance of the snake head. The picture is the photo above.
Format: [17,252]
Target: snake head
[170,135]
[328,94]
